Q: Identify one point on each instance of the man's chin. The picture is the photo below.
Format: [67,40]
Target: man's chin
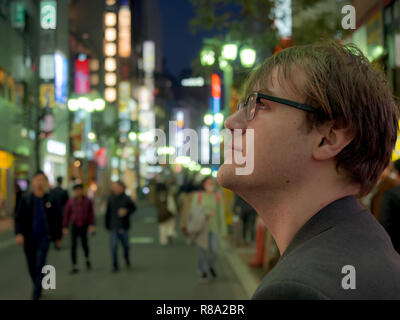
[226,176]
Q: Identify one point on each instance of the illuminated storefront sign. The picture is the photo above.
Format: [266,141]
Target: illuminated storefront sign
[124,95]
[193,82]
[148,56]
[215,86]
[48,14]
[46,96]
[47,67]
[61,78]
[56,147]
[124,32]
[82,76]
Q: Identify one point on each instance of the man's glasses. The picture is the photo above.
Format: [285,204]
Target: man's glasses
[251,104]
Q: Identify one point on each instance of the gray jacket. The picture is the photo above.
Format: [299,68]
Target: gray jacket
[313,266]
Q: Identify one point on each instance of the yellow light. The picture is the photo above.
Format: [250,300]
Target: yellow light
[110,79]
[110,34]
[94,65]
[110,19]
[110,64]
[94,79]
[110,49]
[110,94]
[124,32]
[6,160]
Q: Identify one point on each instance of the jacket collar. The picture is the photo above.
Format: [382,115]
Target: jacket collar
[325,219]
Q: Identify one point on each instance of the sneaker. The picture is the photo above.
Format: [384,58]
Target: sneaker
[74,270]
[88,265]
[212,271]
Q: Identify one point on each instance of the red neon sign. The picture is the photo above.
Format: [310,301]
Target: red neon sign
[215,86]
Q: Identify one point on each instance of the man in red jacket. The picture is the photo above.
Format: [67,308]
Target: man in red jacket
[79,213]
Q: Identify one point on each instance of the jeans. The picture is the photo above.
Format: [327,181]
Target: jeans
[123,237]
[36,253]
[79,232]
[208,258]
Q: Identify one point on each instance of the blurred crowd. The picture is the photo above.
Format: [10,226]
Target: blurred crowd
[195,207]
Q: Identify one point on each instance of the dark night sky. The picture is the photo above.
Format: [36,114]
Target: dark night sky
[180,46]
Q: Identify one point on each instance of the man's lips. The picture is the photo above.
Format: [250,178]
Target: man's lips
[234,148]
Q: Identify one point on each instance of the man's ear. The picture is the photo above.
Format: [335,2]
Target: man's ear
[331,141]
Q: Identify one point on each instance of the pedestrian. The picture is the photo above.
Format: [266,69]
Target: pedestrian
[118,212]
[79,214]
[185,204]
[248,218]
[209,200]
[389,213]
[166,212]
[38,221]
[60,194]
[318,125]
[389,180]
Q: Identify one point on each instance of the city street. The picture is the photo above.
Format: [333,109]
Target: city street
[157,272]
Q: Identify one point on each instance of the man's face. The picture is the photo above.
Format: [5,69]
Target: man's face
[117,189]
[78,192]
[39,183]
[282,147]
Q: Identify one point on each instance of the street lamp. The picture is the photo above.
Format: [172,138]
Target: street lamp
[219,118]
[208,119]
[247,57]
[92,136]
[99,104]
[132,136]
[207,57]
[229,51]
[73,104]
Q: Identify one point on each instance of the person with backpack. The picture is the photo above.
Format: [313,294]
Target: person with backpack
[206,223]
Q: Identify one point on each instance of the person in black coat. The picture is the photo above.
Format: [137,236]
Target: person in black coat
[37,222]
[119,209]
[60,194]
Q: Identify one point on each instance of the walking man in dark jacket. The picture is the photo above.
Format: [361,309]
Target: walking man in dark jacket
[119,209]
[79,213]
[37,222]
[60,194]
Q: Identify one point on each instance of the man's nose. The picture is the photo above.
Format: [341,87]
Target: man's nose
[236,121]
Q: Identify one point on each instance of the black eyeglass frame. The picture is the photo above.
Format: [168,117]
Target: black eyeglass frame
[258,95]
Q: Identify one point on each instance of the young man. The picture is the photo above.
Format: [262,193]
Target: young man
[119,209]
[37,222]
[324,125]
[79,213]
